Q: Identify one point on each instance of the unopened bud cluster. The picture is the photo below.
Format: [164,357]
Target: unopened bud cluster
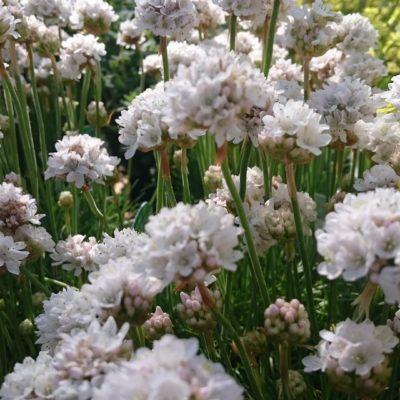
[157,325]
[213,178]
[287,322]
[195,313]
[297,386]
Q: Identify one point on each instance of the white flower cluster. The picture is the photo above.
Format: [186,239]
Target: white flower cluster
[342,104]
[20,232]
[94,16]
[244,8]
[190,242]
[294,133]
[31,379]
[55,12]
[210,14]
[379,176]
[173,18]
[129,34]
[393,94]
[75,254]
[7,25]
[79,52]
[80,159]
[174,367]
[311,30]
[219,90]
[356,33]
[354,356]
[362,238]
[141,125]
[85,356]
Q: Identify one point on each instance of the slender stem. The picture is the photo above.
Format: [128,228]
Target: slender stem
[84,97]
[271,36]
[244,162]
[56,282]
[164,55]
[93,206]
[255,262]
[265,39]
[97,94]
[291,183]
[34,278]
[306,74]
[266,175]
[284,370]
[167,177]
[353,168]
[184,174]
[160,184]
[74,210]
[232,32]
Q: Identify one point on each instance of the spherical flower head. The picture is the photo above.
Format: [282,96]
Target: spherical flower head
[12,254]
[79,52]
[393,95]
[86,356]
[129,34]
[356,33]
[174,367]
[7,25]
[158,325]
[294,133]
[80,159]
[325,65]
[94,16]
[16,208]
[65,200]
[287,322]
[31,379]
[354,357]
[75,254]
[244,8]
[141,125]
[210,15]
[255,343]
[174,18]
[48,41]
[215,93]
[122,290]
[213,177]
[194,312]
[297,385]
[97,115]
[342,104]
[368,244]
[379,176]
[311,30]
[190,242]
[55,12]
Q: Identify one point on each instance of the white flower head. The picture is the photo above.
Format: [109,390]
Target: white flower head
[55,12]
[190,242]
[129,34]
[31,379]
[79,52]
[174,18]
[12,253]
[377,177]
[94,16]
[75,254]
[215,93]
[7,25]
[210,14]
[80,159]
[294,132]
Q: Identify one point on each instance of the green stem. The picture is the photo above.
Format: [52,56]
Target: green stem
[93,206]
[74,210]
[291,184]
[184,174]
[232,32]
[160,185]
[353,168]
[97,94]
[244,162]
[32,277]
[242,353]
[255,262]
[271,36]
[306,74]
[12,134]
[284,370]
[84,96]
[267,179]
[164,55]
[56,282]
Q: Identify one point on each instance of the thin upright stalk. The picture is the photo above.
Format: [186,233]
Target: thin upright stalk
[232,32]
[164,55]
[353,168]
[284,370]
[266,174]
[244,162]
[255,262]
[184,174]
[306,74]
[12,134]
[271,35]
[84,97]
[92,205]
[167,177]
[292,189]
[160,185]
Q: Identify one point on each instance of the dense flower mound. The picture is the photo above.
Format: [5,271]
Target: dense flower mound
[361,239]
[191,242]
[354,356]
[80,159]
[172,366]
